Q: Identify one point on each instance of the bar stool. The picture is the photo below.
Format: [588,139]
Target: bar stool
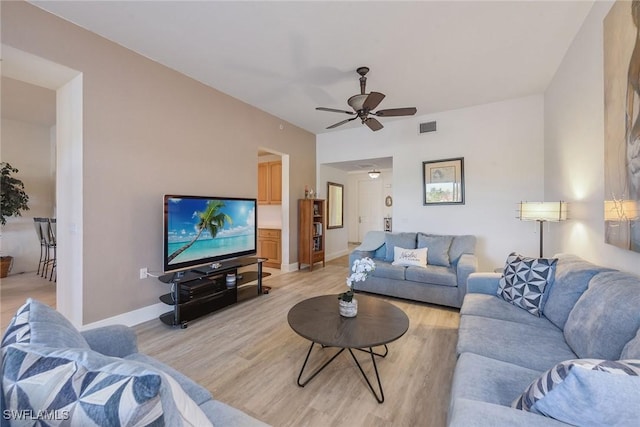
[39,225]
[49,234]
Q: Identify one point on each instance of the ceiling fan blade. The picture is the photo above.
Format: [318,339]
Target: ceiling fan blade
[373,100]
[409,111]
[341,123]
[373,124]
[334,110]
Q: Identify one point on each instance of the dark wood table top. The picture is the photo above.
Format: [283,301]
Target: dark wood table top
[318,319]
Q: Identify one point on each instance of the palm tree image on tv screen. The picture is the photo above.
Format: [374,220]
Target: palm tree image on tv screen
[205,228]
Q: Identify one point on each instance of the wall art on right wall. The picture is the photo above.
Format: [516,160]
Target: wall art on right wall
[621,125]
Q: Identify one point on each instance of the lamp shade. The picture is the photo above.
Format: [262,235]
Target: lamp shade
[620,210]
[374,174]
[542,211]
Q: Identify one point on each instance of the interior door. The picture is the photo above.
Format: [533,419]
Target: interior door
[369,206]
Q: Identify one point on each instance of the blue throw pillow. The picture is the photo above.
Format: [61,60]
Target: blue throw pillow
[37,323]
[586,392]
[402,240]
[65,385]
[524,281]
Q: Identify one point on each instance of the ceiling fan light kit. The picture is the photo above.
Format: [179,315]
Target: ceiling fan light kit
[363,105]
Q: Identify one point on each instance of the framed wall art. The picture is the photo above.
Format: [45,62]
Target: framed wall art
[443,182]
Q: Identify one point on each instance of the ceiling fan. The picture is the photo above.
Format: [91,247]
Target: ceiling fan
[364,103]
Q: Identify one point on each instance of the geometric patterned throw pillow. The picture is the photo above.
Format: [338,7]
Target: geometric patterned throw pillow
[18,330]
[37,323]
[62,391]
[524,281]
[553,379]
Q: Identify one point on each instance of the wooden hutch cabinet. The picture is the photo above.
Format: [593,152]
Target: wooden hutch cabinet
[311,232]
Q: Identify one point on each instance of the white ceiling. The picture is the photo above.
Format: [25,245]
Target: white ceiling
[287,58]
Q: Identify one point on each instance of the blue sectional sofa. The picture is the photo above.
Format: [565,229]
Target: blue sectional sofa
[591,317]
[97,377]
[443,281]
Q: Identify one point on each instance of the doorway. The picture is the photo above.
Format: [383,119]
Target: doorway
[68,85]
[369,206]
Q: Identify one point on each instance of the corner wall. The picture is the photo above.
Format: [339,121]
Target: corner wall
[147,131]
[574,148]
[502,145]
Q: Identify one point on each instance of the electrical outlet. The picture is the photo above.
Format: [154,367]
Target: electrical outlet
[144,272]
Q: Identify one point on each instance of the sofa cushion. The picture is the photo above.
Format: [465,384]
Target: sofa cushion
[532,347]
[606,317]
[431,274]
[632,349]
[407,257]
[475,413]
[464,244]
[37,323]
[571,280]
[496,308]
[387,271]
[586,392]
[438,246]
[489,380]
[36,378]
[524,281]
[403,240]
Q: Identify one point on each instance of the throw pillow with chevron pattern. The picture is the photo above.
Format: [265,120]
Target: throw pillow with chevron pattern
[524,281]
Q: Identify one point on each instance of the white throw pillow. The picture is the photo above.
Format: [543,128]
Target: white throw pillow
[407,257]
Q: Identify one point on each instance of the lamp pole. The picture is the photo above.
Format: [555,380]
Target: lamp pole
[541,221]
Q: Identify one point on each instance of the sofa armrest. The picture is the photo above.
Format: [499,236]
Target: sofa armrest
[473,413]
[356,254]
[483,283]
[467,264]
[113,340]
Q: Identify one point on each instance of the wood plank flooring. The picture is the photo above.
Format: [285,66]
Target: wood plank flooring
[248,357]
[16,288]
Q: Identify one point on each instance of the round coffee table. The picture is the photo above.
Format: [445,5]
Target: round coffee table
[377,324]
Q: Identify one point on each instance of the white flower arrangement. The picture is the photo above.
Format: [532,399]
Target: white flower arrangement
[360,270]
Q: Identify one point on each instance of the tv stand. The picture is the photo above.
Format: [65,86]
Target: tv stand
[203,290]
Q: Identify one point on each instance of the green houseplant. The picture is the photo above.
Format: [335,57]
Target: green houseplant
[13,201]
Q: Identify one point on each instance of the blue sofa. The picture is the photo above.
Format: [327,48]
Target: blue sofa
[443,281]
[52,371]
[591,316]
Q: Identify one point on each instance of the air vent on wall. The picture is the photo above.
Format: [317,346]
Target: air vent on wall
[427,127]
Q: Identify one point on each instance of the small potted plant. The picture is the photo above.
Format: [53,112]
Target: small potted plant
[13,201]
[359,272]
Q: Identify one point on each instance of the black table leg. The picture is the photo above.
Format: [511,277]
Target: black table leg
[318,370]
[380,398]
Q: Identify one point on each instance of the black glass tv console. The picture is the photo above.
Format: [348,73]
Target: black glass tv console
[203,290]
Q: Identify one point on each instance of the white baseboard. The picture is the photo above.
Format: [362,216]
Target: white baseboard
[334,255]
[131,318]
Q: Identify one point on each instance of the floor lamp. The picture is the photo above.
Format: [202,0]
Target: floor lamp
[542,212]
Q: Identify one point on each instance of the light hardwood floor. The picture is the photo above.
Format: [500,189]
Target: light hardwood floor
[248,356]
[16,288]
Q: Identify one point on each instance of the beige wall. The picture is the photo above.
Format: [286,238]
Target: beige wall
[147,131]
[28,147]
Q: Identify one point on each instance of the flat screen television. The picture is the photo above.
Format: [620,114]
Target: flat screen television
[202,230]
